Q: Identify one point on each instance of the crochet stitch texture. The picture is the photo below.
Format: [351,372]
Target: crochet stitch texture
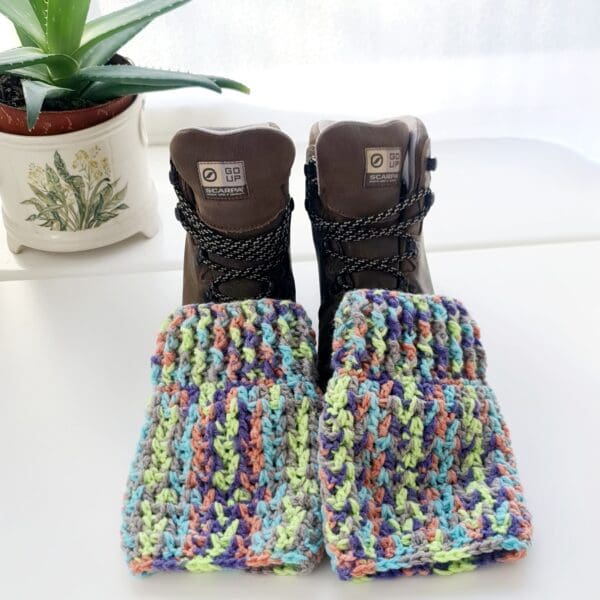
[225,473]
[416,467]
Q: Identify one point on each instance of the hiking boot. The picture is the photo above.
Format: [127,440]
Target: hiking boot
[367,193]
[234,203]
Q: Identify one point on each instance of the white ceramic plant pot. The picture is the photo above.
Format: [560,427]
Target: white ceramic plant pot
[79,190]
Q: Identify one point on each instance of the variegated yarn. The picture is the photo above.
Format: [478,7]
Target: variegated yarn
[416,467]
[225,473]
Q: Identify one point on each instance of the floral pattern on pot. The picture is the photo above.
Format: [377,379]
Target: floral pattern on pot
[84,197]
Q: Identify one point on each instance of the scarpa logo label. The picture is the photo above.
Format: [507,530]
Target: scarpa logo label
[382,166]
[223,179]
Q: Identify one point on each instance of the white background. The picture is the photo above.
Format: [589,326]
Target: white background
[76,377]
[510,92]
[471,68]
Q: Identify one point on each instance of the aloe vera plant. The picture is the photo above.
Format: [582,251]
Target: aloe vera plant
[64,56]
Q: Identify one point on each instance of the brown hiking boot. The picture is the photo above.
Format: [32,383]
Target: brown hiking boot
[367,193]
[234,203]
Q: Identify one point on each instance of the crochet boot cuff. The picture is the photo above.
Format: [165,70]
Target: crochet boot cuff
[427,337]
[224,475]
[416,466]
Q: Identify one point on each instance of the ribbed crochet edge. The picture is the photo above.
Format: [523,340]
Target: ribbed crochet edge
[428,336]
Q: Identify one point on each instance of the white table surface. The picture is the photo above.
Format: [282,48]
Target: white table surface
[489,193]
[75,374]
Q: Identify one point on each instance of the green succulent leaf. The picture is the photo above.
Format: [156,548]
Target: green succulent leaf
[40,7]
[130,74]
[24,57]
[106,26]
[24,38]
[65,23]
[35,72]
[229,84]
[35,93]
[111,81]
[25,20]
[103,51]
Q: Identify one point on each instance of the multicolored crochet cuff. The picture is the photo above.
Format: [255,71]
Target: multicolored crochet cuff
[225,472]
[416,467]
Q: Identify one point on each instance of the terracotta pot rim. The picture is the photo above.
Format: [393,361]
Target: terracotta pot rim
[71,110]
[55,122]
[85,133]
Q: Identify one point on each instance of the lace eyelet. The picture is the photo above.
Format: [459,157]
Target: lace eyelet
[202,256]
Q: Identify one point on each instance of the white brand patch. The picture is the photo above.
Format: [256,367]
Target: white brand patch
[382,166]
[223,179]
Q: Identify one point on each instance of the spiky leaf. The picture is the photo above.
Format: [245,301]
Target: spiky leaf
[37,72]
[35,93]
[24,57]
[65,23]
[40,7]
[103,51]
[111,81]
[24,38]
[98,30]
[229,84]
[23,17]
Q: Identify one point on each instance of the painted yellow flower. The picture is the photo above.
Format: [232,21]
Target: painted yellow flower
[81,198]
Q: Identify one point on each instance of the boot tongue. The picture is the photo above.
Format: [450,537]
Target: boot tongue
[239,177]
[360,167]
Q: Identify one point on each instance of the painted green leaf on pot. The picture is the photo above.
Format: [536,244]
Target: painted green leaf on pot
[81,197]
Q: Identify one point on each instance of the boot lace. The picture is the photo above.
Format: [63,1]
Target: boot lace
[264,252]
[368,228]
